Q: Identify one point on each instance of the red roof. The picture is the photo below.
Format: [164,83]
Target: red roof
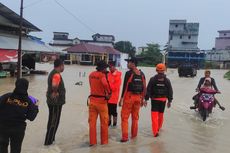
[90,48]
[8,55]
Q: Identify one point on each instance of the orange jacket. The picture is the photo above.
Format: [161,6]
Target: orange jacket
[99,86]
[115,84]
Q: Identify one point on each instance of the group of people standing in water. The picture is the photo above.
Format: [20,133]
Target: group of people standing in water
[18,106]
[104,90]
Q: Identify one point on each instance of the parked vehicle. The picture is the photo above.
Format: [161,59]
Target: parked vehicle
[187,70]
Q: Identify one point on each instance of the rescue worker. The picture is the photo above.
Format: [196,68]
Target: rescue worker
[55,99]
[159,89]
[114,77]
[15,108]
[98,99]
[132,98]
[207,74]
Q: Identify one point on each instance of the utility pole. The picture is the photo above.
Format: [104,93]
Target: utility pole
[19,65]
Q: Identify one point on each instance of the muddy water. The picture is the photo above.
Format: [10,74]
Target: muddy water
[183,130]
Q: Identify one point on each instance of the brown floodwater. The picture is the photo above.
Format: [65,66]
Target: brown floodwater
[183,130]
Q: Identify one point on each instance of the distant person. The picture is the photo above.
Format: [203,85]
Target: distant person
[114,77]
[12,69]
[15,108]
[207,74]
[99,95]
[160,90]
[55,100]
[132,98]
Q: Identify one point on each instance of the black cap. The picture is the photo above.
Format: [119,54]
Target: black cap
[101,65]
[133,60]
[21,86]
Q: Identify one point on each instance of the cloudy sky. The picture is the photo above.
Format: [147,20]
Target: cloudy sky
[138,21]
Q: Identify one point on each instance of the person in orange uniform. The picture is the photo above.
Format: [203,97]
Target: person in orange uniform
[132,97]
[114,77]
[98,99]
[159,89]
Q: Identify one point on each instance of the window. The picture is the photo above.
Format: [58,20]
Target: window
[85,57]
[171,37]
[189,37]
[225,34]
[176,25]
[180,36]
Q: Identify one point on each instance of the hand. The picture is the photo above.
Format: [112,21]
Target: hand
[169,104]
[218,91]
[54,95]
[121,102]
[197,89]
[145,103]
[37,102]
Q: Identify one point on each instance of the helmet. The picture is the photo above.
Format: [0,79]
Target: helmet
[160,67]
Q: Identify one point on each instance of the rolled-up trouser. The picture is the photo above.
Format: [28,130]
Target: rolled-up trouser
[131,105]
[95,109]
[157,115]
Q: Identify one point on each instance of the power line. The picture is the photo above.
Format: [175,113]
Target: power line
[34,3]
[75,17]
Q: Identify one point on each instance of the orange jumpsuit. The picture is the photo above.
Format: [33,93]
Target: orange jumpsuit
[99,88]
[131,105]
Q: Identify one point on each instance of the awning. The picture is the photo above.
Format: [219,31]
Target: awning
[8,56]
[28,45]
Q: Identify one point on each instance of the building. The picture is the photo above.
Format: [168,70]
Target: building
[101,40]
[32,47]
[90,54]
[141,50]
[223,41]
[182,44]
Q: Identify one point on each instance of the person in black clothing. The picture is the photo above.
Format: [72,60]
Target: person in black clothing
[15,108]
[160,90]
[55,99]
[207,74]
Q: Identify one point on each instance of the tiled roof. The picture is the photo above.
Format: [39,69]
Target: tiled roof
[90,48]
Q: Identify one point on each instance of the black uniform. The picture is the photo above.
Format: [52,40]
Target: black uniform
[15,108]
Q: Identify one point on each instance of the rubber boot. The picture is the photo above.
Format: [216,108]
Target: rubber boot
[154,116]
[114,121]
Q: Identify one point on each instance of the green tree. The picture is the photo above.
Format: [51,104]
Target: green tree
[125,47]
[152,56]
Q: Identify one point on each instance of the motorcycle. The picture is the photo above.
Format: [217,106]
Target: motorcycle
[206,102]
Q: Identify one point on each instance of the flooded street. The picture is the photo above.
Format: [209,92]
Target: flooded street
[183,130]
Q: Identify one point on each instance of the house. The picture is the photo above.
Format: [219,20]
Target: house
[32,47]
[89,54]
[101,40]
[182,44]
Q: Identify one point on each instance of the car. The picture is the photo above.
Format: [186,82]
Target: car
[187,70]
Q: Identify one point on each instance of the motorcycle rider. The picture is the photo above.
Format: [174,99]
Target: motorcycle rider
[207,74]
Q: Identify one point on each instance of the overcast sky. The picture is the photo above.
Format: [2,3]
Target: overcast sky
[138,21]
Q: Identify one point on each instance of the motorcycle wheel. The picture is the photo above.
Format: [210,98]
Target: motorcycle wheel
[204,114]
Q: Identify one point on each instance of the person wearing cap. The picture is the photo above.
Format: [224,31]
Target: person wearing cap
[15,108]
[114,77]
[207,74]
[99,95]
[134,88]
[159,89]
[55,100]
